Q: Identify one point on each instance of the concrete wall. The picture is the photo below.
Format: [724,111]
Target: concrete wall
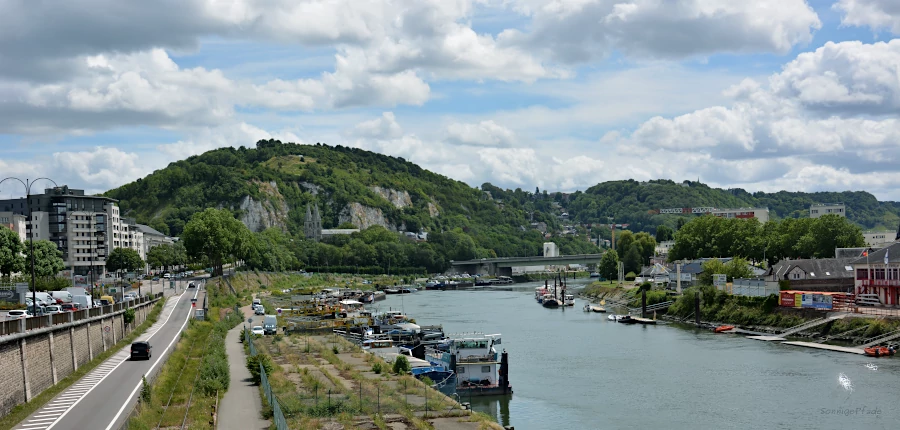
[33,361]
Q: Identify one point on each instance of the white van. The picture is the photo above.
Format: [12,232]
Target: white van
[83,301]
[44,299]
[65,296]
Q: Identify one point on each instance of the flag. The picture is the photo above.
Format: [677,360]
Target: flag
[866,253]
[886,251]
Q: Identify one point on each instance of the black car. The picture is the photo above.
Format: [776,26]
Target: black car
[140,349]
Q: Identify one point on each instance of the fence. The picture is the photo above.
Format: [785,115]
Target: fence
[277,414]
[32,323]
[752,288]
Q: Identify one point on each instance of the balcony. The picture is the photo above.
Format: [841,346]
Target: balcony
[879,282]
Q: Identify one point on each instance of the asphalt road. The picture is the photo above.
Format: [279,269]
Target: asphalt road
[104,398]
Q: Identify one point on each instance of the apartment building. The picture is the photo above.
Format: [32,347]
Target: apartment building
[819,209]
[14,222]
[762,214]
[85,228]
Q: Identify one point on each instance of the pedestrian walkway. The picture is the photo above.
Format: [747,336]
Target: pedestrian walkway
[241,408]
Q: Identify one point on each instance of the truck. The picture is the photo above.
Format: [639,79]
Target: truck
[83,301]
[270,324]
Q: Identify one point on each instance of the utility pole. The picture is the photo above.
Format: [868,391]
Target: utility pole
[28,184]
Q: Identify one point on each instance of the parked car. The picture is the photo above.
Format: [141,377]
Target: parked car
[257,329]
[69,307]
[53,309]
[141,349]
[167,276]
[191,285]
[22,313]
[156,278]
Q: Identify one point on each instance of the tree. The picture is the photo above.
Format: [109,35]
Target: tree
[664,233]
[710,268]
[624,239]
[124,259]
[609,265]
[738,268]
[12,259]
[47,258]
[646,246]
[632,259]
[158,256]
[216,234]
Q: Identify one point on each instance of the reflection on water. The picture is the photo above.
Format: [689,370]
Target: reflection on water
[575,369]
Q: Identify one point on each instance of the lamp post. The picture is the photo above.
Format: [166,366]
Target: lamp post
[28,185]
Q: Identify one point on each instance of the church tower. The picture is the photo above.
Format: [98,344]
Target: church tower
[312,225]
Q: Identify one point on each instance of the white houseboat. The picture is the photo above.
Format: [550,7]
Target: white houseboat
[480,370]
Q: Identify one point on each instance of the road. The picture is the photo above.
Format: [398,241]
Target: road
[104,398]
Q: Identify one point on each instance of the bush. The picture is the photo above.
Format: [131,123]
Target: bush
[253,363]
[401,365]
[146,392]
[630,276]
[128,316]
[377,368]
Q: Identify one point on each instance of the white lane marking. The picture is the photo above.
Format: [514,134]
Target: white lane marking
[138,386]
[69,399]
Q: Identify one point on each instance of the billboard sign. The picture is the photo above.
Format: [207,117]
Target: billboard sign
[787,299]
[720,281]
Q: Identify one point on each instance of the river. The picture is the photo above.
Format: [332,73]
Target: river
[575,370]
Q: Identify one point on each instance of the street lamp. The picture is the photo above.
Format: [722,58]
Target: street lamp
[28,185]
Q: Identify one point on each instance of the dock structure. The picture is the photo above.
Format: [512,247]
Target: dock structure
[825,346]
[767,338]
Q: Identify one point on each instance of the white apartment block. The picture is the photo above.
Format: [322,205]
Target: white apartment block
[879,239]
[85,228]
[14,222]
[819,209]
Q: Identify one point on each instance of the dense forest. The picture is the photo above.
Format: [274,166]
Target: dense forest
[631,202]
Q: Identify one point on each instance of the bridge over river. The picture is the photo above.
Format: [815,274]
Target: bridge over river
[503,266]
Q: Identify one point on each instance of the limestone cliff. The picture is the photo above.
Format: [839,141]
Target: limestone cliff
[364,217]
[272,212]
[400,199]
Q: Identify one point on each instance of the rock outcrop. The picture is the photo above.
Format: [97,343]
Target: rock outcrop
[400,199]
[364,217]
[260,215]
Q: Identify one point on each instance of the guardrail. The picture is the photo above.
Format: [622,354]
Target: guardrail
[22,325]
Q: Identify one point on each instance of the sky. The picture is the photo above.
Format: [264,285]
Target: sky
[764,95]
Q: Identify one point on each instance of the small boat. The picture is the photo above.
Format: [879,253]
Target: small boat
[598,309]
[569,300]
[612,317]
[723,328]
[587,307]
[595,275]
[391,291]
[550,302]
[626,319]
[879,351]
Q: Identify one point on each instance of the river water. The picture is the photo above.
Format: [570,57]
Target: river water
[575,370]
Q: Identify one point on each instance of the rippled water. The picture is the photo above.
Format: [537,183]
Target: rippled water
[575,370]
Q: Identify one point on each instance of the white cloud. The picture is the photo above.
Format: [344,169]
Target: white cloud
[485,133]
[205,139]
[876,14]
[385,127]
[575,31]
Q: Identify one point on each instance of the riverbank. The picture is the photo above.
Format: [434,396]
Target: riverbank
[328,382]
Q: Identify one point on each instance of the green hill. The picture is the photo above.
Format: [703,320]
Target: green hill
[631,201]
[271,184]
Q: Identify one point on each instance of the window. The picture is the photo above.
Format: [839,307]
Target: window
[879,273]
[460,370]
[862,274]
[485,369]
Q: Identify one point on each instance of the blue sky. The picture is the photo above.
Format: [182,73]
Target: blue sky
[563,94]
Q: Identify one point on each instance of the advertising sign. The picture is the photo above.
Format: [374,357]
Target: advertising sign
[720,281]
[787,299]
[821,301]
[798,300]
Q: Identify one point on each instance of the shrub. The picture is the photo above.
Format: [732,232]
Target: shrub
[335,350]
[253,363]
[630,276]
[401,365]
[377,368]
[146,392]
[128,316]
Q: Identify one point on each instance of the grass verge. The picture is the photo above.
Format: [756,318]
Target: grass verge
[194,375]
[24,410]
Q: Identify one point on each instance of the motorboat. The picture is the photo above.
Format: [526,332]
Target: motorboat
[879,351]
[569,300]
[587,307]
[626,319]
[391,291]
[598,309]
[612,317]
[723,328]
[550,302]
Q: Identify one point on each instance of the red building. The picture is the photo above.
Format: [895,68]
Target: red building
[878,272]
